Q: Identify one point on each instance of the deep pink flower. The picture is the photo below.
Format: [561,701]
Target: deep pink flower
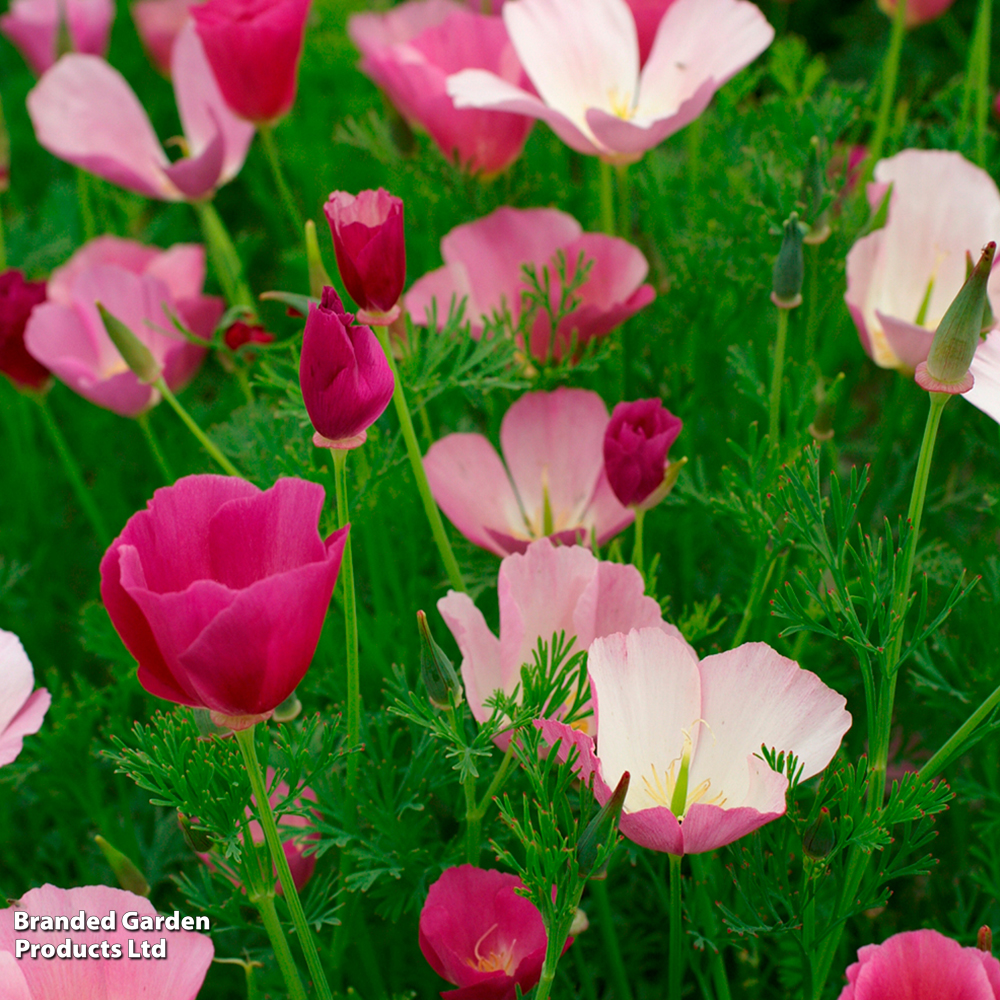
[552,444]
[21,708]
[636,443]
[254,48]
[158,23]
[659,710]
[85,112]
[33,26]
[483,265]
[922,965]
[345,376]
[367,232]
[479,934]
[411,49]
[145,288]
[917,11]
[219,590]
[647,14]
[88,973]
[17,299]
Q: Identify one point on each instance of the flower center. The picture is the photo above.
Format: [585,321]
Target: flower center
[492,961]
[669,788]
[621,105]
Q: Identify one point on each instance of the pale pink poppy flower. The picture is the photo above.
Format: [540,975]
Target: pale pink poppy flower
[21,708]
[146,288]
[84,112]
[690,734]
[101,967]
[33,26]
[584,62]
[553,485]
[159,22]
[483,265]
[922,965]
[542,592]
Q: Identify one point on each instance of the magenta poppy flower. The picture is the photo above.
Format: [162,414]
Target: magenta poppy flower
[99,963]
[553,486]
[590,88]
[219,590]
[484,263]
[479,934]
[635,451]
[254,48]
[17,299]
[922,965]
[21,708]
[85,113]
[33,26]
[345,376]
[158,23]
[147,289]
[411,49]
[917,11]
[690,733]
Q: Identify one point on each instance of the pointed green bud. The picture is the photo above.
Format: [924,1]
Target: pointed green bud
[198,840]
[289,709]
[4,153]
[789,268]
[134,352]
[600,831]
[820,837]
[128,875]
[988,318]
[444,689]
[318,278]
[947,366]
[814,194]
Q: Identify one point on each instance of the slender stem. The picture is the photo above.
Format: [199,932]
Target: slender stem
[245,739]
[498,779]
[890,73]
[284,191]
[83,199]
[964,731]
[607,199]
[761,576]
[73,473]
[609,935]
[556,940]
[676,955]
[282,951]
[202,437]
[624,201]
[777,376]
[417,464]
[225,259]
[813,304]
[473,820]
[637,559]
[154,446]
[978,76]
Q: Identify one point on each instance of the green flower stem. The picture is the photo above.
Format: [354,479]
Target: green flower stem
[473,821]
[931,768]
[417,464]
[202,437]
[607,199]
[624,201]
[225,259]
[890,74]
[556,941]
[976,95]
[284,191]
[72,469]
[676,954]
[761,576]
[282,952]
[777,376]
[609,935]
[154,446]
[245,738]
[637,559]
[83,200]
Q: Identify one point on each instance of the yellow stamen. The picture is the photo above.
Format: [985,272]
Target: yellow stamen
[492,962]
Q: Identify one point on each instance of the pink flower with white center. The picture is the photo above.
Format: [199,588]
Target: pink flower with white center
[34,26]
[553,485]
[690,734]
[584,62]
[21,708]
[85,113]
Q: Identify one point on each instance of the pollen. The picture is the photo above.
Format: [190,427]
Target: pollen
[492,961]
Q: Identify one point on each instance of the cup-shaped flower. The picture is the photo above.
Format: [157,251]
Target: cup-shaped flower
[36,27]
[21,708]
[917,11]
[17,299]
[92,968]
[367,232]
[690,734]
[484,262]
[148,289]
[554,484]
[410,51]
[254,48]
[219,590]
[479,934]
[636,444]
[922,965]
[345,376]
[85,112]
[584,63]
[158,23]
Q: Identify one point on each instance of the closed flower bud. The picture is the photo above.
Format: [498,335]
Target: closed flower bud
[636,443]
[600,830]
[443,687]
[17,298]
[820,837]
[984,939]
[126,871]
[789,268]
[134,352]
[198,840]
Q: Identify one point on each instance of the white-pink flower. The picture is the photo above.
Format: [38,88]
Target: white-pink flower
[690,734]
[34,25]
[21,708]
[582,56]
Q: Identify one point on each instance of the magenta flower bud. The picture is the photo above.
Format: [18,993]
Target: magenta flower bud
[367,234]
[345,376]
[17,298]
[635,451]
[219,590]
[254,47]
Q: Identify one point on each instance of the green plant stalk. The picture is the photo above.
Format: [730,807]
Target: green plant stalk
[225,260]
[284,191]
[607,190]
[960,735]
[637,559]
[245,739]
[201,436]
[761,576]
[282,951]
[978,76]
[676,953]
[777,376]
[154,446]
[609,935]
[473,821]
[890,74]
[554,945]
[417,464]
[83,200]
[624,201]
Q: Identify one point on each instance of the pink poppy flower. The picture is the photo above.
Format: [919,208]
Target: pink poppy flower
[636,444]
[584,62]
[21,708]
[158,23]
[690,733]
[553,485]
[902,278]
[917,11]
[84,112]
[98,964]
[144,287]
[219,590]
[33,26]
[545,591]
[922,965]
[17,299]
[410,50]
[483,265]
